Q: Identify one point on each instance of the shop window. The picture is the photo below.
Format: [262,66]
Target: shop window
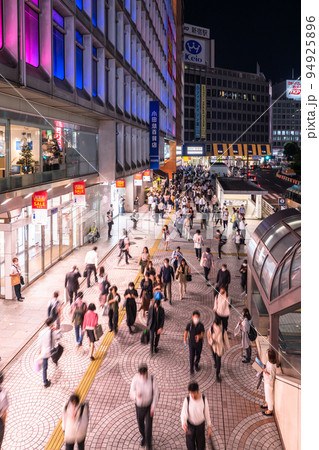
[52,149]
[94,12]
[32,55]
[79,60]
[94,71]
[25,150]
[58,45]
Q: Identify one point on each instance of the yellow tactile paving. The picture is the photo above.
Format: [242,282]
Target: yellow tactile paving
[57,438]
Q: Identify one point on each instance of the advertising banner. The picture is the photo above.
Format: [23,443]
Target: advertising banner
[120,183]
[170,39]
[79,193]
[203,112]
[293,89]
[194,150]
[197,111]
[154,135]
[40,208]
[195,51]
[138,179]
[147,175]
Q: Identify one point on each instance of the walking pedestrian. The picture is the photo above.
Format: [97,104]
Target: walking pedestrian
[151,271]
[187,228]
[244,325]
[144,392]
[221,241]
[47,339]
[136,203]
[218,216]
[216,342]
[4,405]
[146,293]
[194,416]
[113,300]
[91,265]
[150,201]
[124,245]
[179,224]
[16,279]
[196,331]
[89,323]
[161,208]
[243,280]
[269,380]
[104,286]
[191,217]
[207,262]
[176,258]
[79,311]
[122,205]
[158,285]
[167,277]
[143,259]
[54,309]
[134,217]
[71,283]
[221,307]
[183,274]
[155,323]
[156,213]
[130,305]
[242,229]
[223,279]
[109,220]
[198,243]
[225,218]
[165,236]
[237,240]
[75,421]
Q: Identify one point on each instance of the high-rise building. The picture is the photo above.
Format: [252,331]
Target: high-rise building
[77,78]
[286,114]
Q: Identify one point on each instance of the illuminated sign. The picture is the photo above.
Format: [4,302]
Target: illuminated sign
[196,31]
[120,183]
[147,175]
[293,89]
[39,207]
[58,136]
[138,179]
[154,135]
[79,193]
[194,51]
[197,111]
[194,150]
[203,112]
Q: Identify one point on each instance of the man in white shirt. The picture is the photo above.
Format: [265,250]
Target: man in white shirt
[4,404]
[91,264]
[195,413]
[144,392]
[150,201]
[46,344]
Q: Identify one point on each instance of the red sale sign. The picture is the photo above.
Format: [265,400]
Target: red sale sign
[120,183]
[40,200]
[79,188]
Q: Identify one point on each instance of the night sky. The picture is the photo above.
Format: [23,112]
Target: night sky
[247,32]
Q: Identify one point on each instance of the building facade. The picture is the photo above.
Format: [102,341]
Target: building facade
[77,78]
[286,112]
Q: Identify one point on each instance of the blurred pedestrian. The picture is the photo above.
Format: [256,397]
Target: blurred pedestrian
[215,340]
[113,300]
[146,293]
[75,421]
[131,296]
[143,259]
[91,265]
[165,236]
[54,309]
[71,283]
[243,278]
[221,307]
[167,276]
[89,323]
[196,331]
[183,274]
[155,323]
[4,405]
[104,286]
[79,311]
[47,339]
[207,262]
[237,240]
[198,243]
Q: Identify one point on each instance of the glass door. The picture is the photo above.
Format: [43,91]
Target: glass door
[22,250]
[35,251]
[55,237]
[66,230]
[47,244]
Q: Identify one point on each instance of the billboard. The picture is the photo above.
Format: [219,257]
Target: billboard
[194,150]
[154,135]
[195,51]
[170,39]
[197,111]
[203,112]
[193,30]
[293,89]
[138,179]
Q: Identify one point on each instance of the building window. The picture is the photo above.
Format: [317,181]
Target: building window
[94,71]
[79,59]
[58,45]
[94,12]
[32,35]
[79,4]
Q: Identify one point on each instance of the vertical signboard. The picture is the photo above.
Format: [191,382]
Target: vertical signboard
[138,179]
[39,208]
[79,193]
[197,111]
[120,183]
[147,175]
[203,112]
[154,135]
[170,39]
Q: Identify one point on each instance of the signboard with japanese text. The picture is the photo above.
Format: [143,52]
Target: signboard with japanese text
[203,112]
[138,179]
[147,175]
[154,135]
[170,39]
[197,111]
[120,183]
[59,136]
[79,193]
[195,51]
[193,30]
[293,89]
[193,150]
[40,208]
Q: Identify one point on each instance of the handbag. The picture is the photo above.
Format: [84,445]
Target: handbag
[56,353]
[98,331]
[21,280]
[85,273]
[145,338]
[188,277]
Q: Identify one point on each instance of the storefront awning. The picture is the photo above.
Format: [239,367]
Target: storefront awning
[234,150]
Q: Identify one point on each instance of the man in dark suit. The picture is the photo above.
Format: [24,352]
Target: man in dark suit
[155,323]
[72,282]
[223,279]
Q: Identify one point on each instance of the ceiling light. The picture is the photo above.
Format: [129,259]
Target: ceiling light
[6,201]
[67,185]
[27,196]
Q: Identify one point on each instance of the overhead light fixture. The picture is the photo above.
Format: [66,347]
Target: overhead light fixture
[27,196]
[67,185]
[6,201]
[50,189]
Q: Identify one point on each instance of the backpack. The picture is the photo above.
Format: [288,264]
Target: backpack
[121,244]
[53,311]
[252,333]
[203,397]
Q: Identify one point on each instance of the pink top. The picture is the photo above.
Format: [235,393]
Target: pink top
[90,320]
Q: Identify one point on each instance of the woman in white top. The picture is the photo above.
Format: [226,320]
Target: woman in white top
[198,243]
[269,380]
[221,307]
[237,239]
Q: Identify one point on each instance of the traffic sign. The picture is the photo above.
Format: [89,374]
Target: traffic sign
[281,201]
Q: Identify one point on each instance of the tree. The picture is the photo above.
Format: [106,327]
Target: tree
[26,158]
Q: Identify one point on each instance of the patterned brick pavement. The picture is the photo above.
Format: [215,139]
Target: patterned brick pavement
[237,421]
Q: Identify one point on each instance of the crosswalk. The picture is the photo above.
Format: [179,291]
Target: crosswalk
[270,198]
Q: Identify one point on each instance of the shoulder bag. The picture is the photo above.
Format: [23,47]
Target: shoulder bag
[98,331]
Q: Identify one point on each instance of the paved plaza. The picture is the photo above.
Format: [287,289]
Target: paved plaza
[237,420]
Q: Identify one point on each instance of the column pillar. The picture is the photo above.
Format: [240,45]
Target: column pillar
[274,330]
[9,253]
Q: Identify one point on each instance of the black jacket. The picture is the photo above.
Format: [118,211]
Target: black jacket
[223,278]
[152,323]
[72,281]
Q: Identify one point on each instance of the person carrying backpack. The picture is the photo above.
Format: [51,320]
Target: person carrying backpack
[194,416]
[54,309]
[75,421]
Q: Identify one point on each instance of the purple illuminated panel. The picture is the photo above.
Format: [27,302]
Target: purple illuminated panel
[31,36]
[1,40]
